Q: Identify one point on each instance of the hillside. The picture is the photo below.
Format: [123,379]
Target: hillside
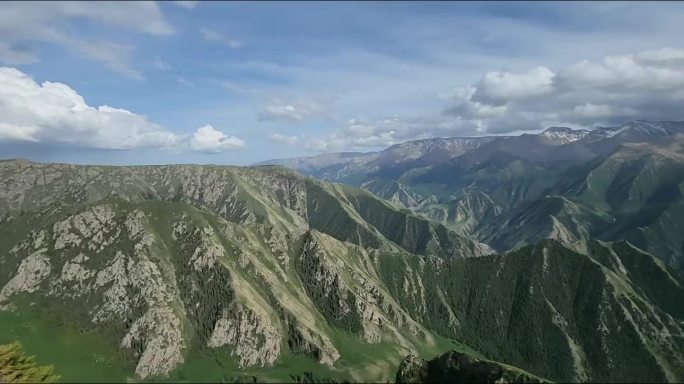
[612,183]
[355,168]
[225,273]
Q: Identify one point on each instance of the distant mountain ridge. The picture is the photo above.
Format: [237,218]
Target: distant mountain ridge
[563,135]
[352,166]
[341,166]
[514,190]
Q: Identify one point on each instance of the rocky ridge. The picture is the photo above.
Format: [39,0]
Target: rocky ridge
[263,264]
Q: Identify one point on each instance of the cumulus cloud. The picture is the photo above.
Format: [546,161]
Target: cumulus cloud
[216,37]
[507,86]
[667,54]
[54,113]
[47,22]
[649,72]
[283,139]
[294,111]
[463,104]
[645,85]
[209,140]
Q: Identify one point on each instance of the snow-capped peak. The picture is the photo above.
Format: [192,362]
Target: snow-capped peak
[563,135]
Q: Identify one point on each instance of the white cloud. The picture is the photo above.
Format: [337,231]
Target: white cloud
[507,86]
[18,132]
[47,22]
[602,110]
[215,37]
[209,140]
[618,88]
[651,70]
[587,74]
[293,111]
[55,113]
[646,85]
[186,4]
[283,139]
[667,54]
[463,104]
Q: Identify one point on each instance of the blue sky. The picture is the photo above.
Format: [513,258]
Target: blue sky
[237,83]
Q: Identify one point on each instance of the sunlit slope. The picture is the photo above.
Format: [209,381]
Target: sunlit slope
[223,273]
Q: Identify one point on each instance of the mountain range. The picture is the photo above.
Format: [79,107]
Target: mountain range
[542,257]
[610,183]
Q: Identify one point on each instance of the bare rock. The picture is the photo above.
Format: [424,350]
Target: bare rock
[30,273]
[256,341]
[160,329]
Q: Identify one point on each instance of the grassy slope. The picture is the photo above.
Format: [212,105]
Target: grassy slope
[61,331]
[543,308]
[53,339]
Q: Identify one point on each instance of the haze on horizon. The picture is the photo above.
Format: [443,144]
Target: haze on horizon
[238,83]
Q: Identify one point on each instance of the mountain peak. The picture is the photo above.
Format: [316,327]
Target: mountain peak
[559,129]
[562,135]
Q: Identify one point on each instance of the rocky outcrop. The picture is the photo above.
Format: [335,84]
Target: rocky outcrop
[75,276]
[412,369]
[301,340]
[95,225]
[31,272]
[254,339]
[159,330]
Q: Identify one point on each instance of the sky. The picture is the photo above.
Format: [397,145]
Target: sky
[243,82]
